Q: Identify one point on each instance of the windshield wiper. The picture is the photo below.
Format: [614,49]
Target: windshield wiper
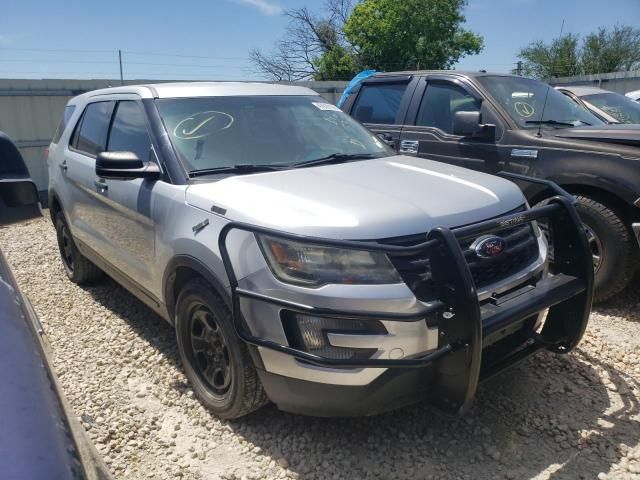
[334,158]
[238,168]
[549,122]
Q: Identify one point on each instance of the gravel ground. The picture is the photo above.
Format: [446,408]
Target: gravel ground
[574,416]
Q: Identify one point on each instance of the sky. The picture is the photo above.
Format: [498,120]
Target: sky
[210,39]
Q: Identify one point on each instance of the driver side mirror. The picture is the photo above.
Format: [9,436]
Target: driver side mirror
[469,124]
[124,166]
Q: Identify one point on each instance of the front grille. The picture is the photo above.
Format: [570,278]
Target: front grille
[521,250]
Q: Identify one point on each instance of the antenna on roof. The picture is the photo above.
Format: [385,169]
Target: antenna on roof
[546,95]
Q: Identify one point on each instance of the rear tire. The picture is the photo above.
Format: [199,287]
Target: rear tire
[216,362]
[78,268]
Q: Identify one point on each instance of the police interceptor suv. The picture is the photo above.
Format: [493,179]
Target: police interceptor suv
[299,258]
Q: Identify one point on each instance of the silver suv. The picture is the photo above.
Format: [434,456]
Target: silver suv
[302,261]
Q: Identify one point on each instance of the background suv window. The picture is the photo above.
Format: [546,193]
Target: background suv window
[91,136]
[379,102]
[439,104]
[129,131]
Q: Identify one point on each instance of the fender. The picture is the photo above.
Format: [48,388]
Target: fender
[608,185]
[169,278]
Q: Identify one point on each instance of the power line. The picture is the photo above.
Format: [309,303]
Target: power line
[111,62]
[130,52]
[114,51]
[55,50]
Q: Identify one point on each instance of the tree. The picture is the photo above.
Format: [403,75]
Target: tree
[335,64]
[558,59]
[312,46]
[611,51]
[599,52]
[409,34]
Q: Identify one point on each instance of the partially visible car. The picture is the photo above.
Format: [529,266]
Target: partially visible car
[610,107]
[634,95]
[492,122]
[40,436]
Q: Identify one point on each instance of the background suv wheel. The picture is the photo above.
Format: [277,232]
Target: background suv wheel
[613,247]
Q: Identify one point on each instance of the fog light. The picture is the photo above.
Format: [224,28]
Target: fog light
[311,331]
[309,334]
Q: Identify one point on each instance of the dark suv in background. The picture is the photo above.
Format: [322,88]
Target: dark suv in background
[494,122]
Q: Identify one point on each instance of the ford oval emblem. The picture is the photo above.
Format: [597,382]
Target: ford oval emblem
[489,246]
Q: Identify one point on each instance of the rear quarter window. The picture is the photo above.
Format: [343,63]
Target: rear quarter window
[379,102]
[64,121]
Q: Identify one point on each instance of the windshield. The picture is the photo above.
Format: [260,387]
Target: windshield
[618,106]
[523,99]
[214,132]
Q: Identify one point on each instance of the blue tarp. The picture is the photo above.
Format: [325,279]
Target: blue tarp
[355,81]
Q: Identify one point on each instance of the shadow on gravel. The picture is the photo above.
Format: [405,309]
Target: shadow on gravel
[142,320]
[550,414]
[626,304]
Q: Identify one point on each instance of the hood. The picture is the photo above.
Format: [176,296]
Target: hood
[621,134]
[369,199]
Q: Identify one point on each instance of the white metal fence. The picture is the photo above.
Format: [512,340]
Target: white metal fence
[621,82]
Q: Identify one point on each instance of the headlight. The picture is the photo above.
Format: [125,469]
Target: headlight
[312,265]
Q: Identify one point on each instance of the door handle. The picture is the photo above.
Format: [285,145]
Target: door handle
[64,166]
[101,185]
[409,146]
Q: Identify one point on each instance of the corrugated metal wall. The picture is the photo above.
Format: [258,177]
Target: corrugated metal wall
[621,82]
[30,111]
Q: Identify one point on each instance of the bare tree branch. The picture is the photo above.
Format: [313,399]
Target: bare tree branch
[307,38]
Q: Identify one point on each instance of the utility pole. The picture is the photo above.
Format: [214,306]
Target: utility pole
[519,68]
[120,61]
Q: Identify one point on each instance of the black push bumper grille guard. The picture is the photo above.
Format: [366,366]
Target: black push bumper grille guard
[568,295]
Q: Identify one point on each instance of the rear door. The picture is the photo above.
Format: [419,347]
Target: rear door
[83,208]
[429,133]
[381,104]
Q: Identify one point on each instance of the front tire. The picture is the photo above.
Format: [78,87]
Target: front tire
[614,249]
[216,362]
[78,268]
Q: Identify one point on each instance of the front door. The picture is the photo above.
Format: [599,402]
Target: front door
[130,231]
[428,131]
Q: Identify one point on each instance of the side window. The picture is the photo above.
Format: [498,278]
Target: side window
[91,134]
[379,102]
[129,131]
[68,111]
[440,102]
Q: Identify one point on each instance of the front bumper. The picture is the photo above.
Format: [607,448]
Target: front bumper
[452,370]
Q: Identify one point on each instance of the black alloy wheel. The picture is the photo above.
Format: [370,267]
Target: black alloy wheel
[210,350]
